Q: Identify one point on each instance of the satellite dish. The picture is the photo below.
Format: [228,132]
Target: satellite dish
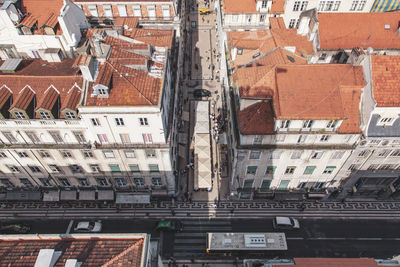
[14,17]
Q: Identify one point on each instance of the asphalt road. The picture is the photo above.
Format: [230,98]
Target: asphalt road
[316,238]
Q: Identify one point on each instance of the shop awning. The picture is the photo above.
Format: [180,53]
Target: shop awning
[105,195]
[87,195]
[68,195]
[132,198]
[23,196]
[51,196]
[385,5]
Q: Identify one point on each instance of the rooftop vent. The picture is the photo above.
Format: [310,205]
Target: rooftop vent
[387,26]
[255,241]
[10,65]
[47,258]
[72,263]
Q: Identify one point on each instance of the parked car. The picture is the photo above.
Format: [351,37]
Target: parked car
[201,92]
[14,228]
[287,223]
[169,225]
[88,227]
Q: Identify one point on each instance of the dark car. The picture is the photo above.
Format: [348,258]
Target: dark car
[201,92]
[169,225]
[14,228]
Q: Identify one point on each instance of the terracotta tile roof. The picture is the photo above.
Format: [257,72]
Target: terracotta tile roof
[23,98]
[318,92]
[42,11]
[332,262]
[28,21]
[239,6]
[349,30]
[256,119]
[51,20]
[277,7]
[72,99]
[5,94]
[40,75]
[49,99]
[386,80]
[82,60]
[93,252]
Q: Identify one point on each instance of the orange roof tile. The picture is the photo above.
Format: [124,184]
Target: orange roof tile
[349,30]
[23,98]
[51,21]
[91,252]
[72,99]
[255,82]
[5,95]
[314,91]
[386,80]
[256,119]
[239,6]
[28,21]
[49,99]
[332,262]
[277,7]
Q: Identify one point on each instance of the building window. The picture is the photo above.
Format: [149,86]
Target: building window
[33,137]
[290,169]
[108,154]
[139,182]
[122,10]
[45,182]
[296,154]
[107,11]
[258,139]
[64,182]
[363,153]
[93,10]
[55,168]
[329,169]
[75,168]
[264,4]
[156,181]
[10,137]
[80,137]
[44,115]
[353,5]
[387,167]
[119,121]
[251,170]
[125,139]
[129,154]
[324,138]
[395,153]
[83,182]
[95,168]
[319,185]
[276,154]
[283,184]
[102,181]
[270,170]
[304,5]
[235,18]
[153,168]
[240,51]
[321,6]
[137,12]
[361,5]
[373,167]
[19,115]
[3,154]
[26,182]
[337,155]
[56,137]
[301,139]
[296,6]
[302,185]
[7,183]
[322,57]
[102,138]
[307,124]
[165,12]
[95,121]
[70,115]
[265,184]
[292,23]
[375,142]
[354,167]
[150,153]
[44,154]
[22,154]
[114,168]
[134,167]
[248,184]
[385,120]
[262,17]
[87,153]
[120,182]
[285,123]
[331,124]
[280,138]
[317,155]
[14,169]
[255,154]
[336,6]
[147,138]
[384,153]
[329,5]
[309,170]
[66,154]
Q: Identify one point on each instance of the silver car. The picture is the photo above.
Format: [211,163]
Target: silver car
[285,223]
[88,227]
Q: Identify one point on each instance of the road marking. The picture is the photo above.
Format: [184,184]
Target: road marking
[70,226]
[295,238]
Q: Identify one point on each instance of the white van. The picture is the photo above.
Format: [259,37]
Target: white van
[285,223]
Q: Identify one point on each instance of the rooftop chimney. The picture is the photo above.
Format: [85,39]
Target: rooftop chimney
[47,258]
[72,263]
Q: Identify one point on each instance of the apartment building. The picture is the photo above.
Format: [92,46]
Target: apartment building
[294,8]
[165,11]
[250,14]
[35,29]
[373,169]
[101,121]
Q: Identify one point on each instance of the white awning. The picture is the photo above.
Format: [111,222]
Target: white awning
[51,196]
[68,195]
[105,195]
[132,198]
[87,195]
